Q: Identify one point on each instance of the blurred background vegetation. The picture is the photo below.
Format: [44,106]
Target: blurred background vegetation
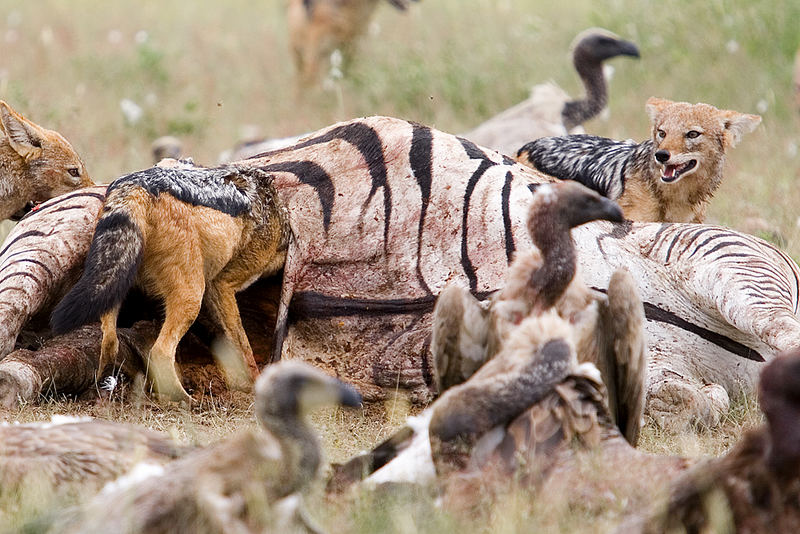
[205,71]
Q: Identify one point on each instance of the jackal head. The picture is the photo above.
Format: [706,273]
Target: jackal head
[689,137]
[38,164]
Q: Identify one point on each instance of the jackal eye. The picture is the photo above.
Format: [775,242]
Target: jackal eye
[74,172]
[661,134]
[691,134]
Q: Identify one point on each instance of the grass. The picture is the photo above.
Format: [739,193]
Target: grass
[205,70]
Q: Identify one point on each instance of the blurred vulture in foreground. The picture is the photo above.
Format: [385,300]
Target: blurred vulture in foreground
[48,464]
[549,110]
[521,411]
[755,487]
[234,485]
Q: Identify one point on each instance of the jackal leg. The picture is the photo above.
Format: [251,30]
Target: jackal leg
[110,344]
[220,300]
[183,296]
[261,255]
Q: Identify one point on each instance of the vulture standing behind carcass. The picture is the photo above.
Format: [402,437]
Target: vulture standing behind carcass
[549,110]
[536,326]
[755,487]
[606,330]
[234,485]
[166,146]
[43,463]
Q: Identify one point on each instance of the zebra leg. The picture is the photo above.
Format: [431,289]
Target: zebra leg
[291,272]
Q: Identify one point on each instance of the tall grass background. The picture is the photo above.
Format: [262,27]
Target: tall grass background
[206,71]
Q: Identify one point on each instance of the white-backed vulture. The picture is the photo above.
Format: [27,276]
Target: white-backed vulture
[57,462]
[545,278]
[549,110]
[533,320]
[252,148]
[166,146]
[231,486]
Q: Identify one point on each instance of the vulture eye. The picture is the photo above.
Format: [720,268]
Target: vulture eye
[74,172]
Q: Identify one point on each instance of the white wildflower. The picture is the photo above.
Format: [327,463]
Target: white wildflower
[47,36]
[114,36]
[131,110]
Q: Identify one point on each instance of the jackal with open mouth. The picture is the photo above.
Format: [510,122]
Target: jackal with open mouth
[670,177]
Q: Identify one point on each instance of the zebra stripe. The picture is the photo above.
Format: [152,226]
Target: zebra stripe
[421,159]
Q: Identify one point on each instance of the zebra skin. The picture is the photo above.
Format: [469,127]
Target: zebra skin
[385,212]
[43,256]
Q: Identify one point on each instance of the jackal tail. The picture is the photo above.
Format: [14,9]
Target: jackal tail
[109,272]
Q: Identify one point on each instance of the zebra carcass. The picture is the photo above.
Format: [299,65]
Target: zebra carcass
[385,212]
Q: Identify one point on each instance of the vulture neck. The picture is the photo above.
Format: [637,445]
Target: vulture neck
[590,69]
[299,448]
[558,261]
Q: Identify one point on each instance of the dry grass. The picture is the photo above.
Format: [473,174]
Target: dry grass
[597,505]
[204,70]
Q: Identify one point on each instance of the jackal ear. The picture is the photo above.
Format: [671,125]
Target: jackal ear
[654,105]
[22,134]
[737,124]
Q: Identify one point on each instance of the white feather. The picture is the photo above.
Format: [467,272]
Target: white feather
[414,463]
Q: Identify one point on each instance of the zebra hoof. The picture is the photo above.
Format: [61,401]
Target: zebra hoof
[677,405]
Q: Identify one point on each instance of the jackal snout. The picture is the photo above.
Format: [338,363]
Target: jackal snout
[673,168]
[662,156]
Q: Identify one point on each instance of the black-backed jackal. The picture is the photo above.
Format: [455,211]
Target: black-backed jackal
[671,177]
[189,236]
[36,164]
